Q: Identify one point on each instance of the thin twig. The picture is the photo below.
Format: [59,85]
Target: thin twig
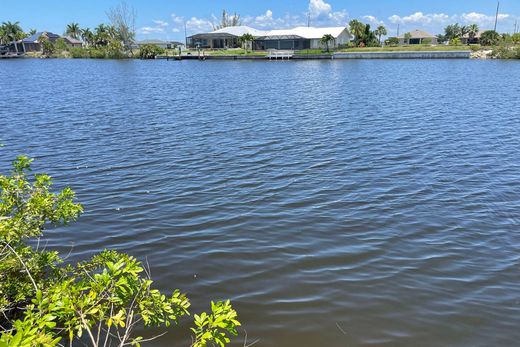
[340,329]
[149,339]
[70,252]
[252,343]
[88,329]
[24,265]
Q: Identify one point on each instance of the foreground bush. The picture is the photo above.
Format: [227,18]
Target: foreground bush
[505,52]
[150,51]
[97,302]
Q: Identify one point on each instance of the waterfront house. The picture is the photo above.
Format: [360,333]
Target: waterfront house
[72,42]
[418,37]
[293,39]
[475,40]
[228,37]
[33,43]
[302,38]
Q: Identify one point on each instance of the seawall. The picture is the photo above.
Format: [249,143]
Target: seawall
[344,55]
[405,55]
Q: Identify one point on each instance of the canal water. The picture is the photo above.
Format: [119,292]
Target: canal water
[336,203]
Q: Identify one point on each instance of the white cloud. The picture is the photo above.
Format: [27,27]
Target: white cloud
[269,21]
[158,28]
[150,30]
[177,19]
[265,20]
[199,24]
[321,14]
[161,23]
[481,18]
[193,24]
[420,18]
[318,8]
[373,21]
[437,21]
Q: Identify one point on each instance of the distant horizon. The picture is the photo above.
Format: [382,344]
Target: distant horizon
[166,21]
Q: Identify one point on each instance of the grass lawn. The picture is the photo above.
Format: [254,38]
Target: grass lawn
[231,52]
[413,48]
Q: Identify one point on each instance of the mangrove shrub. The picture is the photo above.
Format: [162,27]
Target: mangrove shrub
[96,302]
[150,51]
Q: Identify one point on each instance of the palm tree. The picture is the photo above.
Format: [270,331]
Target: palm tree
[3,35]
[87,36]
[380,31]
[407,38]
[13,32]
[463,31]
[101,35]
[473,30]
[455,31]
[490,38]
[357,29]
[73,30]
[326,39]
[245,39]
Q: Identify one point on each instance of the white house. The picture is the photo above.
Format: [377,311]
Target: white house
[223,38]
[302,38]
[294,39]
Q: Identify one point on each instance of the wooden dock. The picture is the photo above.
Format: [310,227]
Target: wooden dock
[278,54]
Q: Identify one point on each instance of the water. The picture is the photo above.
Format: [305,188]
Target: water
[338,203]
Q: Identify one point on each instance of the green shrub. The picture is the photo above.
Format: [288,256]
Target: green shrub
[490,38]
[77,52]
[516,38]
[61,45]
[150,51]
[48,48]
[116,54]
[474,48]
[392,41]
[97,302]
[455,42]
[97,53]
[346,45]
[504,52]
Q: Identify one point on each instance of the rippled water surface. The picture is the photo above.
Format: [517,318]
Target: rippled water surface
[338,203]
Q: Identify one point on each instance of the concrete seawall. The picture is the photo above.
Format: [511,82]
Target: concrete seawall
[405,55]
[346,55]
[313,56]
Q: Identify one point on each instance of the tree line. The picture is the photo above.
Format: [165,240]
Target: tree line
[115,39]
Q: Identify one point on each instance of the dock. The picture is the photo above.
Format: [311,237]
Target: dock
[279,54]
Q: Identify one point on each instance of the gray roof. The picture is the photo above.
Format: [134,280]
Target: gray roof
[418,34]
[152,42]
[34,38]
[477,36]
[294,33]
[72,40]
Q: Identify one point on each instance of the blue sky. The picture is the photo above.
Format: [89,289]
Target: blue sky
[165,19]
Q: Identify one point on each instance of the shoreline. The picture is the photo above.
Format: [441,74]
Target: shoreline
[462,54]
[357,55]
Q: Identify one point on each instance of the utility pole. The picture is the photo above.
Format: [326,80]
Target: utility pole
[516,26]
[309,20]
[397,30]
[185,36]
[496,17]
